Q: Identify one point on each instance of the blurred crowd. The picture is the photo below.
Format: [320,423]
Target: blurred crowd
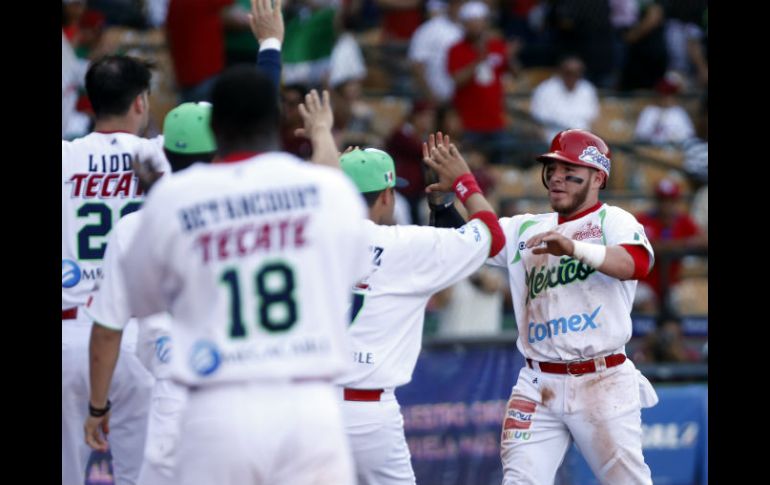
[455,63]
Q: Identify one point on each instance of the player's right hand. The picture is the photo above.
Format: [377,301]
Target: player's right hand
[96,431]
[316,114]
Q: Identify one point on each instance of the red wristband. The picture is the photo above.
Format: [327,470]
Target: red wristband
[464,186]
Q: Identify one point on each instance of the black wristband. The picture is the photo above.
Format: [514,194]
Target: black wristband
[446,216]
[98,413]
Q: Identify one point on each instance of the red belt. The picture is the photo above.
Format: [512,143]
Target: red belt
[69,314]
[362,394]
[578,367]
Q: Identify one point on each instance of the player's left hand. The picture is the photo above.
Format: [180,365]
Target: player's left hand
[555,244]
[442,155]
[266,20]
[96,430]
[316,113]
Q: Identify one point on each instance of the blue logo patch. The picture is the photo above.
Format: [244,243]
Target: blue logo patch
[205,358]
[574,323]
[70,273]
[522,246]
[163,349]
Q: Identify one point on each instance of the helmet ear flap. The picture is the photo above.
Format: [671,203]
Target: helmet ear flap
[542,176]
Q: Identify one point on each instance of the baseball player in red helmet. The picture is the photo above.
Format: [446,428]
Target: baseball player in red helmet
[573,273]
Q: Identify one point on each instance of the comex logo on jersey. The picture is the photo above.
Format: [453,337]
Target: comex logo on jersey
[70,273]
[563,325]
[205,358]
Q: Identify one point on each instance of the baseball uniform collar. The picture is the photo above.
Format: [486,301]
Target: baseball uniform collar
[595,208]
[236,157]
[111,132]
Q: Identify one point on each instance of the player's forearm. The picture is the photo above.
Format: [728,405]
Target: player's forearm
[324,148]
[104,348]
[477,203]
[618,263]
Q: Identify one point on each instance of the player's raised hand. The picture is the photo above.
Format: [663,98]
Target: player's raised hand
[266,20]
[316,114]
[443,156]
[555,244]
[96,431]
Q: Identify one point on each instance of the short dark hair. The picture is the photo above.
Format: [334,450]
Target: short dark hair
[371,197]
[245,105]
[113,82]
[181,161]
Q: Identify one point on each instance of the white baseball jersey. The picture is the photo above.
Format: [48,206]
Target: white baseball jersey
[565,309]
[98,188]
[408,265]
[109,304]
[254,260]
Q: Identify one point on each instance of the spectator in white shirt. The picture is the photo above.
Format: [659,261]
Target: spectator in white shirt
[565,100]
[429,47]
[665,122]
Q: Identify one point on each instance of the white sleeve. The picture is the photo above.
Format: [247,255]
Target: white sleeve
[108,305]
[149,281]
[620,227]
[440,257]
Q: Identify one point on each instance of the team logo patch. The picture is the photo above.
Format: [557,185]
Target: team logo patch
[519,414]
[512,435]
[70,273]
[461,190]
[205,358]
[518,418]
[593,156]
[389,177]
[589,231]
[163,349]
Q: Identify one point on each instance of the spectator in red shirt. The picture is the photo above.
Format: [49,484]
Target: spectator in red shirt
[669,229]
[196,40]
[477,64]
[400,18]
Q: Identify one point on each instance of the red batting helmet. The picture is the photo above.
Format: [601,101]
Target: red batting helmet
[579,147]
